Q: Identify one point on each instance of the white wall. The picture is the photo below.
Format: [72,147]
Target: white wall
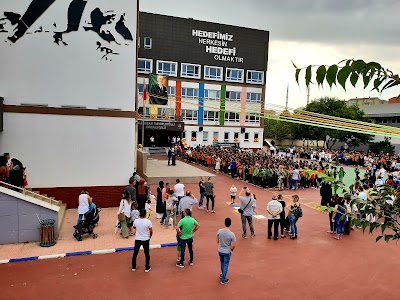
[70,150]
[35,70]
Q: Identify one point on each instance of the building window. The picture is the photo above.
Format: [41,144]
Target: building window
[171,91]
[254,118]
[190,93]
[395,121]
[140,88]
[169,68]
[190,71]
[194,134]
[162,112]
[381,121]
[205,136]
[226,136]
[213,73]
[184,134]
[212,95]
[189,114]
[234,75]
[236,135]
[254,97]
[145,65]
[148,42]
[232,117]
[256,77]
[246,136]
[255,137]
[233,96]
[215,136]
[211,115]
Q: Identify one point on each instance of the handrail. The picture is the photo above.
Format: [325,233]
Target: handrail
[24,191]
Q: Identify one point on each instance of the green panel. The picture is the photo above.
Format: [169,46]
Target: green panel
[222,105]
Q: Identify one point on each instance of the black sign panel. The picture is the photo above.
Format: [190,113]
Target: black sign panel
[162,125]
[198,42]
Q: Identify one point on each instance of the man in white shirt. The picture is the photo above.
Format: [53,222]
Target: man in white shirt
[143,231]
[295,178]
[179,189]
[274,209]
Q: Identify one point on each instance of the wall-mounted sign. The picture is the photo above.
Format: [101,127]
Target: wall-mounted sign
[217,43]
[162,125]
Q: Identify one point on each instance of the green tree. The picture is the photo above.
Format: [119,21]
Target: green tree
[277,130]
[337,108]
[382,146]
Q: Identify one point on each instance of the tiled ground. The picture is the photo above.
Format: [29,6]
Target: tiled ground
[107,238]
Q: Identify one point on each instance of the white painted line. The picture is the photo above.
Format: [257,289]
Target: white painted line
[52,256]
[104,251]
[155,246]
[4,261]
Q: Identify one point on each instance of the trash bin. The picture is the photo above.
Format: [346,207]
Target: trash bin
[47,236]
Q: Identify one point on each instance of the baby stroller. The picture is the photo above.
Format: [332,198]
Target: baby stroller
[87,225]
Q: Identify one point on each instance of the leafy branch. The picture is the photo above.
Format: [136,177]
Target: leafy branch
[378,206]
[350,69]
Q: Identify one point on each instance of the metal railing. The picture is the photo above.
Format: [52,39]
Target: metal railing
[27,192]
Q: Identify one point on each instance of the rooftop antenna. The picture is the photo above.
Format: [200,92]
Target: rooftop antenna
[287,98]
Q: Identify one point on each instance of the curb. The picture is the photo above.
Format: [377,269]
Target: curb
[81,253]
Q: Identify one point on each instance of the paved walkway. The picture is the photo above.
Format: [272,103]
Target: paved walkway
[315,266]
[107,237]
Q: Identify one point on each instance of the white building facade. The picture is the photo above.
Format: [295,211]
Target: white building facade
[68,78]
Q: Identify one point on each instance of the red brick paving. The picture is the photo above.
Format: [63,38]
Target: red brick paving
[315,266]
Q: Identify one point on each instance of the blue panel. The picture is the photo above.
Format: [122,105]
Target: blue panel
[78,253]
[200,114]
[24,259]
[168,245]
[124,249]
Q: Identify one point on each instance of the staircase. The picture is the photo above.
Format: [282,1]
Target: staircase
[42,197]
[156,150]
[51,200]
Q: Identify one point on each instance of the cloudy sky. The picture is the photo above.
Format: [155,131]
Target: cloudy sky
[306,32]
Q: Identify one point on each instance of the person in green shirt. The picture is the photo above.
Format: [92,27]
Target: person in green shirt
[341,173]
[185,229]
[255,175]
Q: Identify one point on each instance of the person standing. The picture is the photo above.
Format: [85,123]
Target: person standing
[233,191]
[209,193]
[143,232]
[274,209]
[83,208]
[294,215]
[142,194]
[187,203]
[246,211]
[202,190]
[185,229]
[165,194]
[170,208]
[282,217]
[295,178]
[233,168]
[226,241]
[124,213]
[179,189]
[160,204]
[131,189]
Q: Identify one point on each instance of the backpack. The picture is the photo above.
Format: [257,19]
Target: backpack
[298,212]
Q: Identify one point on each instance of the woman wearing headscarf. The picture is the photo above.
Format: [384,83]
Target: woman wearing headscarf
[159,206]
